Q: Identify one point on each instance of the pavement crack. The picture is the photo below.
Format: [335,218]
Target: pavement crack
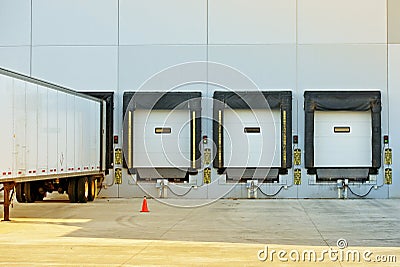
[176,223]
[313,223]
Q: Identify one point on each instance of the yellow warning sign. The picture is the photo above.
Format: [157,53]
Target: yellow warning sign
[207,176]
[118,156]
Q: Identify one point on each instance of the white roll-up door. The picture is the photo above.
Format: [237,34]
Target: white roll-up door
[252,138]
[161,138]
[342,138]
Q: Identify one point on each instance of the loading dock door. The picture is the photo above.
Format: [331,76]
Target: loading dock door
[161,138]
[252,138]
[343,139]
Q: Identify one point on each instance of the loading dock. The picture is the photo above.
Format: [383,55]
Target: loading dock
[342,134]
[162,132]
[252,132]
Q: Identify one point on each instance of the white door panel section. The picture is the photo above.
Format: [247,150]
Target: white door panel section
[70,154]
[79,134]
[62,132]
[6,133]
[343,139]
[19,127]
[52,132]
[161,138]
[42,130]
[252,138]
[31,128]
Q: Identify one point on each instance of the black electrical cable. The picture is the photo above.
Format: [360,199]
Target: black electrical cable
[179,195]
[1,189]
[268,195]
[358,195]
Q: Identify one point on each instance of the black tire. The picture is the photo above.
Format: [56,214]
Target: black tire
[29,192]
[39,197]
[19,193]
[82,191]
[72,190]
[92,188]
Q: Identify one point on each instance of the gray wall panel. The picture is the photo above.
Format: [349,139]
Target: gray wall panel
[16,59]
[394,21]
[252,22]
[75,22]
[394,96]
[269,66]
[342,67]
[15,22]
[341,21]
[139,63]
[163,22]
[81,68]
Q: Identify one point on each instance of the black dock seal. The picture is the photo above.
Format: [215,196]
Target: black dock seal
[167,101]
[342,100]
[281,100]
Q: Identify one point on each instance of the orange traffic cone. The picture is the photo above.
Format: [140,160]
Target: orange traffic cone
[144,205]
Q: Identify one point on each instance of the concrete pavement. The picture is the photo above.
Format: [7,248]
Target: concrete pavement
[112,232]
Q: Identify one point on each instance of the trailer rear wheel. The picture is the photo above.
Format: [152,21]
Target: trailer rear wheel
[29,191]
[82,190]
[72,190]
[92,188]
[19,192]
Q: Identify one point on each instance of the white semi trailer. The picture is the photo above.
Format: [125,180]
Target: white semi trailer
[52,139]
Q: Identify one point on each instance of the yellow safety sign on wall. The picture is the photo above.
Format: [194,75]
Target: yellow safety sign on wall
[297,176]
[207,176]
[388,156]
[118,176]
[297,156]
[207,156]
[388,176]
[118,156]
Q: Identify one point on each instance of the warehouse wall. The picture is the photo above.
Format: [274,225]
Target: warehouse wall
[288,44]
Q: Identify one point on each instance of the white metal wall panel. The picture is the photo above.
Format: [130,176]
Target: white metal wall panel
[19,127]
[252,149]
[75,22]
[252,22]
[394,96]
[15,22]
[342,21]
[52,132]
[70,152]
[6,130]
[146,61]
[31,128]
[81,68]
[163,22]
[15,58]
[62,132]
[353,149]
[161,150]
[268,66]
[43,129]
[342,66]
